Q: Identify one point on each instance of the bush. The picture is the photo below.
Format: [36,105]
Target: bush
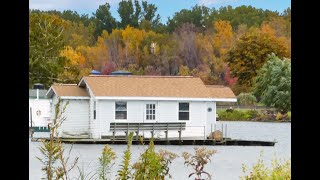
[252,115]
[280,170]
[152,164]
[289,115]
[237,115]
[246,99]
[198,161]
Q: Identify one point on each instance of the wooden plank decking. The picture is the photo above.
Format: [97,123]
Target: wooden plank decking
[170,141]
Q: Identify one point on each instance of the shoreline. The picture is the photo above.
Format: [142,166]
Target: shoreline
[270,121]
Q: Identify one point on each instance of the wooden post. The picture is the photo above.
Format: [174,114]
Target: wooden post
[31,129]
[127,132]
[180,133]
[152,132]
[114,132]
[226,130]
[31,116]
[167,132]
[137,136]
[222,130]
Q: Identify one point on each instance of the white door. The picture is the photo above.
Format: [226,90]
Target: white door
[211,121]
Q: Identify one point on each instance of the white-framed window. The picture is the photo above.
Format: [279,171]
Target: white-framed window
[183,111]
[121,110]
[150,111]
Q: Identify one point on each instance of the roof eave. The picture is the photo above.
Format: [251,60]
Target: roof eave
[75,97]
[50,92]
[145,98]
[82,82]
[225,99]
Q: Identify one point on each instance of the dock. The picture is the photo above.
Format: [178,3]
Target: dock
[187,141]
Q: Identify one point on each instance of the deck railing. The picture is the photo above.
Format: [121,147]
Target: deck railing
[152,127]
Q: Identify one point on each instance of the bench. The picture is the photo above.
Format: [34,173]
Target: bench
[136,127]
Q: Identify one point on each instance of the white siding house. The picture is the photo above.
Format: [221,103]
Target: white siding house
[97,101]
[39,110]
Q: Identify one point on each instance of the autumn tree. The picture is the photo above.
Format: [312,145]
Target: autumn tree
[273,83]
[224,46]
[250,53]
[45,41]
[74,67]
[187,52]
[223,37]
[77,34]
[96,56]
[228,78]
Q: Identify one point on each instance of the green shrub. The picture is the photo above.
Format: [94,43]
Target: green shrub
[281,170]
[252,113]
[106,162]
[237,115]
[125,170]
[246,99]
[279,116]
[198,160]
[153,165]
[289,115]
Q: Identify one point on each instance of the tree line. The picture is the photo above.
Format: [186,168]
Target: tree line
[226,46]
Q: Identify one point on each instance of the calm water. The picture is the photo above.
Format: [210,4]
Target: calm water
[226,163]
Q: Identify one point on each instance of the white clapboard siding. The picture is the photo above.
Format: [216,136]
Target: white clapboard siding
[105,115]
[77,118]
[166,111]
[43,106]
[135,111]
[94,126]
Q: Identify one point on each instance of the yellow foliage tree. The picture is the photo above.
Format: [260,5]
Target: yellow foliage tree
[223,37]
[75,66]
[74,57]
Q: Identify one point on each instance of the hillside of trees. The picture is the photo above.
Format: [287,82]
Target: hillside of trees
[224,46]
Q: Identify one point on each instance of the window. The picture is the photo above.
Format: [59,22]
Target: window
[150,111]
[121,110]
[94,110]
[183,111]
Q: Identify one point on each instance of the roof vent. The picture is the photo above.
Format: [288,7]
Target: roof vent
[95,72]
[121,73]
[38,86]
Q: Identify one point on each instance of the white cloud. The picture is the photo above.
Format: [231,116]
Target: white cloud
[215,2]
[68,4]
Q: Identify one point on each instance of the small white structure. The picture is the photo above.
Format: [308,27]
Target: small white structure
[97,102]
[39,110]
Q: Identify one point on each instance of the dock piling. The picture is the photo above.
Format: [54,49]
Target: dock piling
[226,130]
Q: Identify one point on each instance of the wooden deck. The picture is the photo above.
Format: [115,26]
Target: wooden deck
[171,141]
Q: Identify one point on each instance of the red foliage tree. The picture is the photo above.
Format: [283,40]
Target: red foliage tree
[108,68]
[228,78]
